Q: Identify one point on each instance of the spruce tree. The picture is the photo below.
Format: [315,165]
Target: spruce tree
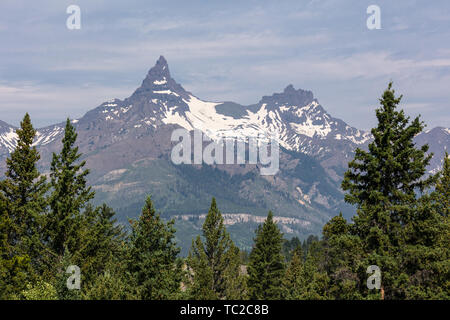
[383,183]
[153,267]
[200,276]
[426,255]
[289,247]
[342,259]
[69,196]
[443,188]
[292,281]
[314,280]
[23,196]
[236,281]
[13,266]
[99,241]
[266,267]
[222,260]
[443,208]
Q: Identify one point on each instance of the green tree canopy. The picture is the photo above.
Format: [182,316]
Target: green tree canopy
[266,267]
[215,265]
[153,267]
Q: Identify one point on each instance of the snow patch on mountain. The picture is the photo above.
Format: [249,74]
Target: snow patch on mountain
[166,92]
[46,136]
[9,139]
[160,82]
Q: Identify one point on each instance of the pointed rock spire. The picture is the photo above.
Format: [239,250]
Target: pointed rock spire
[158,74]
[158,79]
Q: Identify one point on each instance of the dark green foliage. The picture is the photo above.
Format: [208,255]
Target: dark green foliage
[396,221]
[100,241]
[402,225]
[69,195]
[266,267]
[235,281]
[426,255]
[215,265]
[314,280]
[293,282]
[24,188]
[442,195]
[61,277]
[13,266]
[23,202]
[343,252]
[152,265]
[200,278]
[111,284]
[289,247]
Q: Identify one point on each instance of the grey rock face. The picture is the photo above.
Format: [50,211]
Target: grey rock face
[127,146]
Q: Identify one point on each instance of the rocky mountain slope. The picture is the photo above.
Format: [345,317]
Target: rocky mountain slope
[127,147]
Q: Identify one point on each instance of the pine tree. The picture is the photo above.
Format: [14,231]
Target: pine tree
[100,241]
[289,247]
[442,268]
[426,255]
[314,281]
[104,258]
[383,183]
[266,267]
[69,195]
[61,277]
[222,260]
[111,284]
[13,266]
[23,196]
[292,281]
[236,281]
[443,188]
[200,276]
[342,259]
[153,267]
[386,178]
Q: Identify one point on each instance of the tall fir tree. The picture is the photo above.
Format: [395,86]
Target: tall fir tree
[314,280]
[70,195]
[235,279]
[426,254]
[23,196]
[292,282]
[153,266]
[266,266]
[101,242]
[384,183]
[443,187]
[342,259]
[443,208]
[13,266]
[222,260]
[200,276]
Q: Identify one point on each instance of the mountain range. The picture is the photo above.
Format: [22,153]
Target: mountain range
[127,146]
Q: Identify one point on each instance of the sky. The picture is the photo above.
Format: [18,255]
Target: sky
[225,51]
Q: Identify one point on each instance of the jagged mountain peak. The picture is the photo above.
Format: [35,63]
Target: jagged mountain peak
[289,97]
[159,81]
[159,71]
[302,124]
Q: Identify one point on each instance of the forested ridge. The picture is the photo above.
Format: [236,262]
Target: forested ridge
[401,226]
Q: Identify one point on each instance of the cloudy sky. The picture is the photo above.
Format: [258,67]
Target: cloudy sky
[225,50]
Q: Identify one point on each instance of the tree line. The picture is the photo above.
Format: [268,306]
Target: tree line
[401,226]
